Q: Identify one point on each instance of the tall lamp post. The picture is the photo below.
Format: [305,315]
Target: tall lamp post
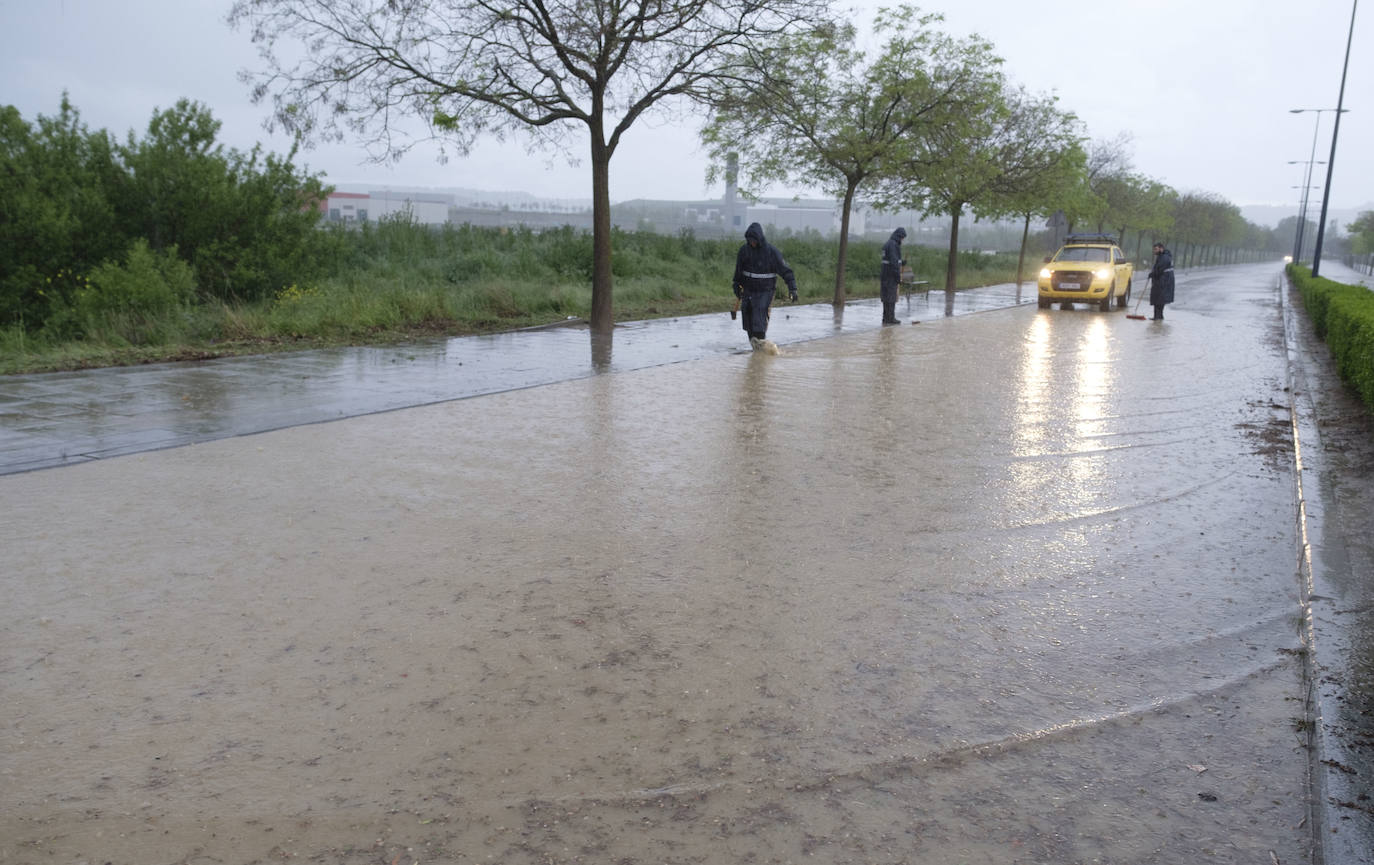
[1335,130]
[1300,240]
[1300,230]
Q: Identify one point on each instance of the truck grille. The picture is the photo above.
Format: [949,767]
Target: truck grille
[1072,280]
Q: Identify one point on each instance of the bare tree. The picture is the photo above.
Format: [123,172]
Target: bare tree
[543,69]
[1109,166]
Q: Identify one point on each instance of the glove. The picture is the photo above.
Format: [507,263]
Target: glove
[792,295]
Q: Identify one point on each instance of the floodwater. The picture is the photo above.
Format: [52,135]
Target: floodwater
[66,418]
[1015,587]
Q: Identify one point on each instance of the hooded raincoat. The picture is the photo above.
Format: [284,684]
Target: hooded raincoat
[757,268]
[1162,279]
[891,275]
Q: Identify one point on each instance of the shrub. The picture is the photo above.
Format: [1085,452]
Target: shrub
[1343,315]
[145,282]
[134,301]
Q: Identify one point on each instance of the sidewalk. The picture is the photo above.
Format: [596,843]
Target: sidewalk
[56,419]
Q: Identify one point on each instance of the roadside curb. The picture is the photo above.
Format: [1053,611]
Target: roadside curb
[1335,842]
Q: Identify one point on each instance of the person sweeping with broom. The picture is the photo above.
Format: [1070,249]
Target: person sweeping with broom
[1161,280]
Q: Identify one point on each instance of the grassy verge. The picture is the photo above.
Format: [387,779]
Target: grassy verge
[400,283]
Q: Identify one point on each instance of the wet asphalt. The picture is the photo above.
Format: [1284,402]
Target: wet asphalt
[59,419]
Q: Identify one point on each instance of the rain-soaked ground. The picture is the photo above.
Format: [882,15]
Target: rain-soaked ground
[1010,587]
[56,419]
[1336,434]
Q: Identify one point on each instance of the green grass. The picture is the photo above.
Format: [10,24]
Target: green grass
[396,283]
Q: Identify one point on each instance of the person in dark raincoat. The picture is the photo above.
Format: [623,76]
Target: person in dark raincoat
[1161,280]
[891,275]
[757,268]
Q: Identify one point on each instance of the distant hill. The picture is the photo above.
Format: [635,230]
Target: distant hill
[1270,215]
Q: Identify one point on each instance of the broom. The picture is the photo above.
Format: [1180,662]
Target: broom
[1137,303]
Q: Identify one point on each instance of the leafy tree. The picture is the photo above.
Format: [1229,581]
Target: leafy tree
[1004,146]
[1044,165]
[1205,221]
[1046,193]
[1362,233]
[543,69]
[1151,211]
[72,200]
[820,114]
[245,221]
[56,217]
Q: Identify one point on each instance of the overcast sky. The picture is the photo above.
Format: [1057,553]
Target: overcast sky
[1203,87]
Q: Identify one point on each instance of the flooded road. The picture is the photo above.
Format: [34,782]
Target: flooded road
[1017,586]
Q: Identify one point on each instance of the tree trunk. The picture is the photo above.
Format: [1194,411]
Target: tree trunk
[1021,261]
[842,261]
[603,315]
[952,267]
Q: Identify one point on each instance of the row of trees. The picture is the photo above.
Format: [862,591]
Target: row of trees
[88,222]
[929,123]
[924,121]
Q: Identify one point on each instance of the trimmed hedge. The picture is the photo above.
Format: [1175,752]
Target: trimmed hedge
[1343,316]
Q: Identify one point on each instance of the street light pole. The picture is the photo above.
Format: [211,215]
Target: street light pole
[1306,182]
[1300,230]
[1335,130]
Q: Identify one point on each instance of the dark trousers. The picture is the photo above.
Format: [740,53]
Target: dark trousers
[1159,312]
[887,290]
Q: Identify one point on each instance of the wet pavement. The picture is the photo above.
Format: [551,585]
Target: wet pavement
[1334,433]
[1011,587]
[54,419]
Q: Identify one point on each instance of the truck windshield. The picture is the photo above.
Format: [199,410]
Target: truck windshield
[1083,253]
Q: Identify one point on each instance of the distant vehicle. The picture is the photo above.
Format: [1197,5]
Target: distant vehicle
[1088,268]
[1288,259]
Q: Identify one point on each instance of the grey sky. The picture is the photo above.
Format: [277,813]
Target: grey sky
[1202,86]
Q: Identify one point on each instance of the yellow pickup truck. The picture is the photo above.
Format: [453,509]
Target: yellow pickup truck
[1088,268]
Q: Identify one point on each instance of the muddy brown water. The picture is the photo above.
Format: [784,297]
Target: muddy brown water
[1012,587]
